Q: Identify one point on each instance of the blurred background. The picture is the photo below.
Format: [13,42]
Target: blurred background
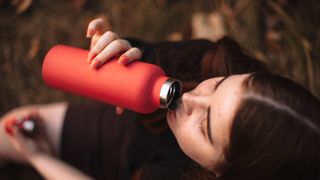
[284,34]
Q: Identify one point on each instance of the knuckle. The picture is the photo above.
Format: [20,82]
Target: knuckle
[100,60]
[118,43]
[136,50]
[99,20]
[127,43]
[134,53]
[94,48]
[92,24]
[111,34]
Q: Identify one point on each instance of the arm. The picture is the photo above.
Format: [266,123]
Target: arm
[37,150]
[52,168]
[195,60]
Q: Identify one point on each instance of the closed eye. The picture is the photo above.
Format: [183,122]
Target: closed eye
[209,134]
[206,127]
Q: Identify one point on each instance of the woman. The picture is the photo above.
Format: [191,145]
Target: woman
[242,126]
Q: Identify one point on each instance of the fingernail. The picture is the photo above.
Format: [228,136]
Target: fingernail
[123,60]
[8,126]
[8,129]
[91,55]
[95,63]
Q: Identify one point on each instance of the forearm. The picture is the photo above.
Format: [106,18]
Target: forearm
[53,168]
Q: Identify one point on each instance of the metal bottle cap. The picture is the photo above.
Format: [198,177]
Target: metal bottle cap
[170,93]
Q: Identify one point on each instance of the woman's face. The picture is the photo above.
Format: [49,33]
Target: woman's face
[203,120]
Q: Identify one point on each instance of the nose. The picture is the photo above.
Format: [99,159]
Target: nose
[186,102]
[191,101]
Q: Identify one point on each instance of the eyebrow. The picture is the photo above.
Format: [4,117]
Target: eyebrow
[209,125]
[220,82]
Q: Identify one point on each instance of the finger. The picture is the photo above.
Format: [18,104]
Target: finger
[113,49]
[96,26]
[119,110]
[129,56]
[94,40]
[104,41]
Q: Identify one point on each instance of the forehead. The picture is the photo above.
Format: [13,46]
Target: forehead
[227,96]
[234,81]
[224,103]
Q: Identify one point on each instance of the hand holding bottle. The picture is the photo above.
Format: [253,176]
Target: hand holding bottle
[105,45]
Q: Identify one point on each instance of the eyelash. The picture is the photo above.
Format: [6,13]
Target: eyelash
[215,84]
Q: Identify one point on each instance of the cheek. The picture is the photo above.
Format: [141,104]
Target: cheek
[193,145]
[192,142]
[190,139]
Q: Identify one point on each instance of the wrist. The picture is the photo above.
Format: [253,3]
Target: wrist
[34,158]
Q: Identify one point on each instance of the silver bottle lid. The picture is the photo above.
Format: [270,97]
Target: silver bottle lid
[170,93]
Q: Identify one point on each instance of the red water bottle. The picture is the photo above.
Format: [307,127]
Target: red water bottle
[138,86]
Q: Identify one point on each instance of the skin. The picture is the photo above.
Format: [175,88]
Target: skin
[189,121]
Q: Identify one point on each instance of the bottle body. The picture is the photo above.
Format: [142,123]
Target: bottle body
[135,86]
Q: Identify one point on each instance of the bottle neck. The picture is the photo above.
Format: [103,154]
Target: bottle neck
[170,93]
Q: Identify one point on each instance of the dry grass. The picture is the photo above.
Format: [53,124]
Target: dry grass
[283,34]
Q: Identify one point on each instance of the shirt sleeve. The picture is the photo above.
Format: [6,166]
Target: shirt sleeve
[181,59]
[196,60]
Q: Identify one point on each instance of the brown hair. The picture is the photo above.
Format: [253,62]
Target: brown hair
[226,57]
[275,133]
